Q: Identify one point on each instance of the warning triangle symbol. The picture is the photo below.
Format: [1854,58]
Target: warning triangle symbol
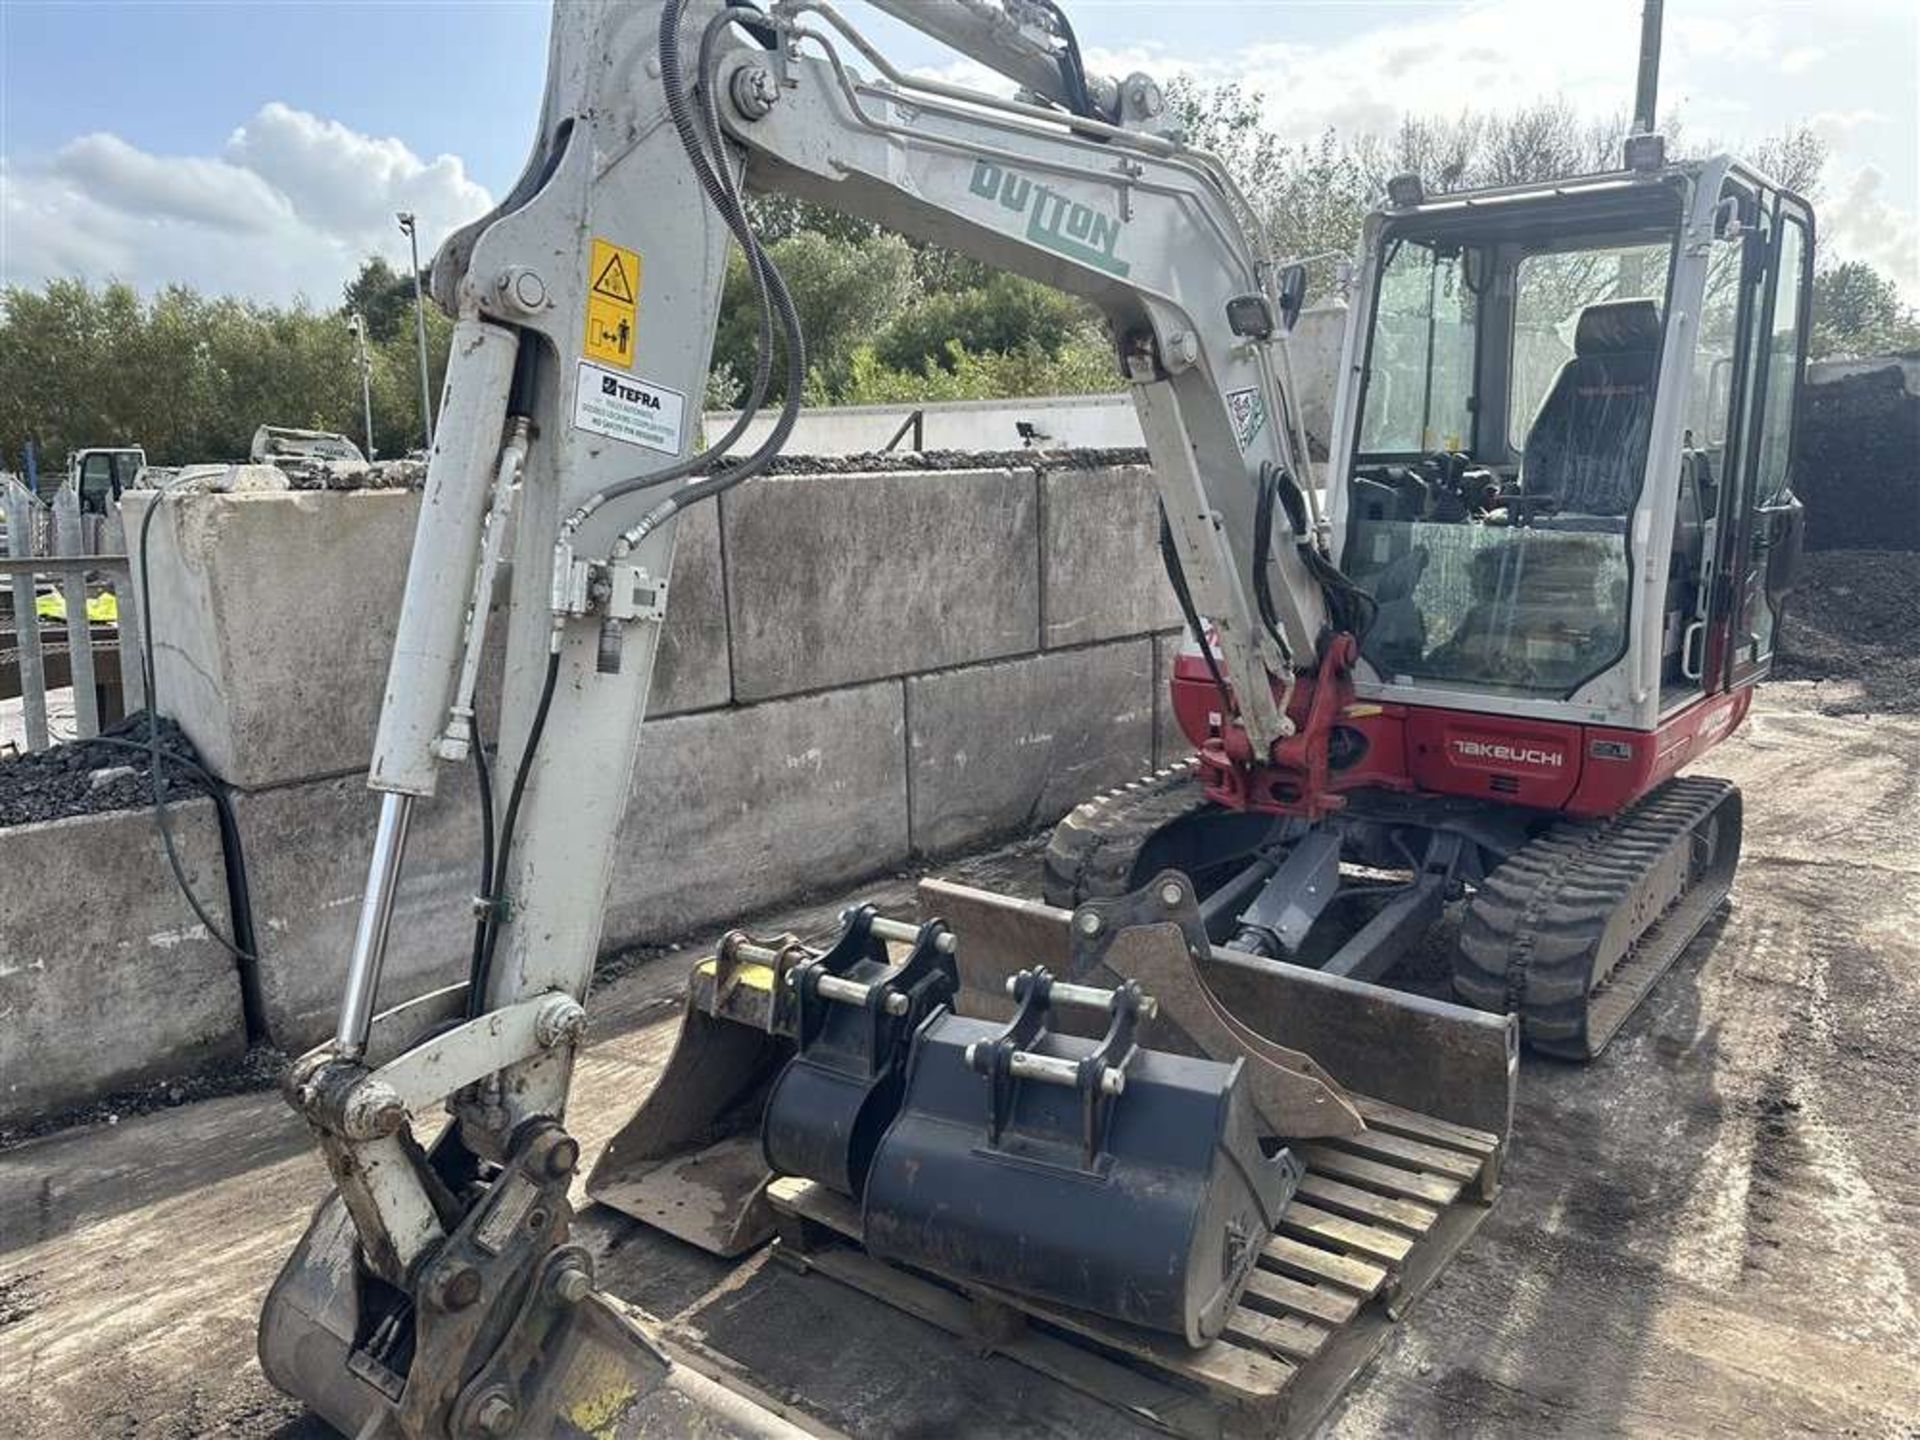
[613,281]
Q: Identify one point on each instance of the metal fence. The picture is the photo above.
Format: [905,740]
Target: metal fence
[69,617]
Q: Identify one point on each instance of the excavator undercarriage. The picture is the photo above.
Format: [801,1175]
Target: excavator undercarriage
[1565,923]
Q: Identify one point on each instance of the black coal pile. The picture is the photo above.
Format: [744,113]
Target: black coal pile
[86,777]
[1855,620]
[259,1069]
[1858,462]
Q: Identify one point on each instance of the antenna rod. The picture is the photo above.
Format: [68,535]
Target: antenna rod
[1647,90]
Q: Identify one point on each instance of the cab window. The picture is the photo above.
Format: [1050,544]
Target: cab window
[1420,362]
[1775,441]
[1550,293]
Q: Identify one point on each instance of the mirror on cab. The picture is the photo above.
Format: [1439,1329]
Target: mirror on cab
[1293,294]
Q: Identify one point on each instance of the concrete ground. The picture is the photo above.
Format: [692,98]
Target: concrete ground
[1713,1231]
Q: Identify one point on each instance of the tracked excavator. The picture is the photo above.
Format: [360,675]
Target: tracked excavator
[1555,536]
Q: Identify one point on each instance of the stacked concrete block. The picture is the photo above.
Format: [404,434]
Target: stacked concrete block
[1170,742]
[273,623]
[855,667]
[1001,748]
[692,670]
[837,579]
[738,809]
[307,851]
[1101,556]
[106,978]
[274,616]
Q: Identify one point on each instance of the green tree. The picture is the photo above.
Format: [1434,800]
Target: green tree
[1004,314]
[1857,311]
[383,297]
[843,291]
[189,377]
[1083,367]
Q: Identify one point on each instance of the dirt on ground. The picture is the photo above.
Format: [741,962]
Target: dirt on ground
[1857,460]
[1853,624]
[113,771]
[1713,1230]
[258,1070]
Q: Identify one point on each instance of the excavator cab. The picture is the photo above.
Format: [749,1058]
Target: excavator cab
[100,476]
[1563,451]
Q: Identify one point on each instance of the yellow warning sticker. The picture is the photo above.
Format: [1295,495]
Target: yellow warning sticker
[613,303]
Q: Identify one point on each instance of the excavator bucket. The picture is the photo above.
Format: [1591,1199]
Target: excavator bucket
[772,1029]
[1099,1175]
[1370,1045]
[855,1012]
[689,1161]
[696,1158]
[380,1364]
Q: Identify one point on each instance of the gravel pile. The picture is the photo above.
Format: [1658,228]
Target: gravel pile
[289,472]
[1856,618]
[352,474]
[86,777]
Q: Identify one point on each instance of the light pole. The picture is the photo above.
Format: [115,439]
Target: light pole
[405,217]
[359,328]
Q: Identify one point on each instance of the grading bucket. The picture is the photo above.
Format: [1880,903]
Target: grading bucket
[1096,1175]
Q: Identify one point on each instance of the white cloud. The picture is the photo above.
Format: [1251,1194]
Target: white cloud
[1858,223]
[291,206]
[1734,74]
[201,192]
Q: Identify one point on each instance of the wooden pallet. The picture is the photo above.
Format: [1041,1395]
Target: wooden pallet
[1376,1218]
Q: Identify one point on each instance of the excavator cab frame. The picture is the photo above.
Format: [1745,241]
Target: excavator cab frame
[1561,450]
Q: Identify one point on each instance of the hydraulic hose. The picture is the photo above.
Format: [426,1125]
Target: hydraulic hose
[728,200]
[489,940]
[770,289]
[1183,595]
[242,943]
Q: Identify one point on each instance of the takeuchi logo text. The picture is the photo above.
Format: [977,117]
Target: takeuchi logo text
[1054,221]
[1502,752]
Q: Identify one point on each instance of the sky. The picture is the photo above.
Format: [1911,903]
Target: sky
[262,149]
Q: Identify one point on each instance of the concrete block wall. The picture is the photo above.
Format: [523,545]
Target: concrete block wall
[275,613]
[856,668]
[106,979]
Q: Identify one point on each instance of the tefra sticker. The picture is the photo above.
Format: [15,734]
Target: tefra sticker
[624,407]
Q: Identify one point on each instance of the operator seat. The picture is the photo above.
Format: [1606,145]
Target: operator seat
[1587,448]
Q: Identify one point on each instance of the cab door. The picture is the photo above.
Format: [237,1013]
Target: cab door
[1764,552]
[96,481]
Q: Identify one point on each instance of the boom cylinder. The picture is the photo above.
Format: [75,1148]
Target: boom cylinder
[446,546]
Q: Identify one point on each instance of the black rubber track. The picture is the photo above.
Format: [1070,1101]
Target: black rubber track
[1093,852]
[1572,931]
